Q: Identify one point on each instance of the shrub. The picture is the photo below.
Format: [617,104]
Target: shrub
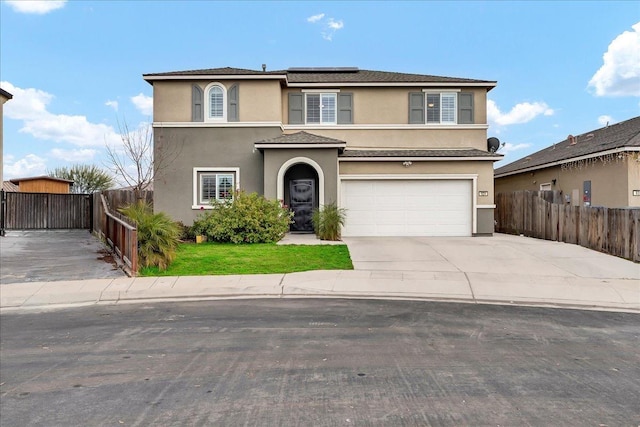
[248,218]
[328,220]
[157,235]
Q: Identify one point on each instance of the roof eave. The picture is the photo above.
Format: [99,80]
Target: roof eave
[568,160]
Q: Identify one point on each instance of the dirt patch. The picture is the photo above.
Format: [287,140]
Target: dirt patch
[107,257]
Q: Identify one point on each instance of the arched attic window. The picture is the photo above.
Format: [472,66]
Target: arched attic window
[216,102]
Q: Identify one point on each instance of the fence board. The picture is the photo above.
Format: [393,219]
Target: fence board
[34,211]
[613,231]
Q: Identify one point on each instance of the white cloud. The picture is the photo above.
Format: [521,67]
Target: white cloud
[82,155]
[510,148]
[520,113]
[143,103]
[605,120]
[335,25]
[112,104]
[39,7]
[30,106]
[329,25]
[315,18]
[620,71]
[30,165]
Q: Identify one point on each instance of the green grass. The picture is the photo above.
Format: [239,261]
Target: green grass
[259,258]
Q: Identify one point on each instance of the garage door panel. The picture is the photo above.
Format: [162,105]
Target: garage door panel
[407,208]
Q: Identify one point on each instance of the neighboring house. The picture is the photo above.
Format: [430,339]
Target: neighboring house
[43,184]
[4,97]
[405,154]
[9,187]
[596,168]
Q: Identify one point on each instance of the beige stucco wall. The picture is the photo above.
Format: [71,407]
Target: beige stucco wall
[379,105]
[259,100]
[405,138]
[612,183]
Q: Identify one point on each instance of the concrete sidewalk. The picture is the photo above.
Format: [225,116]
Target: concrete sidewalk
[495,270]
[555,291]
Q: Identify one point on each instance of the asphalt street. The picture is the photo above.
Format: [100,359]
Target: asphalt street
[319,362]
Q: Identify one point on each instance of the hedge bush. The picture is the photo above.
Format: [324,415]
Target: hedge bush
[248,218]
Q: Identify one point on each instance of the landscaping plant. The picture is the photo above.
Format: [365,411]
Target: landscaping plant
[328,220]
[248,218]
[158,235]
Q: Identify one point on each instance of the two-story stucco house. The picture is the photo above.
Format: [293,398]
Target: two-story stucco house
[405,154]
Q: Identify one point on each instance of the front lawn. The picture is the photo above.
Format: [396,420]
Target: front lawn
[259,258]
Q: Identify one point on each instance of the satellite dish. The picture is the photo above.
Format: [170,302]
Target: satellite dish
[493,144]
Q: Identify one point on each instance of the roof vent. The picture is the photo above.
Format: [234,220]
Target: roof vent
[264,67]
[572,140]
[589,136]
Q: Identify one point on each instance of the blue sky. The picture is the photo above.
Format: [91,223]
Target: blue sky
[75,67]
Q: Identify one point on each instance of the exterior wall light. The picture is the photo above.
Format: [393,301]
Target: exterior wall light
[407,164]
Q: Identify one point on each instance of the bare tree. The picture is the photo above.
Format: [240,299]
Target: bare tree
[134,161]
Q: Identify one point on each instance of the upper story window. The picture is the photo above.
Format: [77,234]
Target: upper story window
[321,108]
[446,108]
[441,108]
[215,102]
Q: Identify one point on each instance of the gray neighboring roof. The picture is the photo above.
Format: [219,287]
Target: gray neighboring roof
[326,75]
[301,137]
[5,94]
[617,136]
[463,152]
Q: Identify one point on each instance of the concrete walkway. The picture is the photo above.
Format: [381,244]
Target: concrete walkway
[494,270]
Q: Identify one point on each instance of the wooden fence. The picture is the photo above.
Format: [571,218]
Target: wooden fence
[613,231]
[33,211]
[120,198]
[117,232]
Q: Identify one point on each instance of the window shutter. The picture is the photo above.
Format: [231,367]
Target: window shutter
[416,108]
[465,107]
[233,111]
[197,107]
[296,108]
[345,108]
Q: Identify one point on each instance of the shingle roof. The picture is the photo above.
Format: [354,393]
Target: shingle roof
[466,152]
[216,71]
[326,75]
[619,135]
[370,76]
[301,137]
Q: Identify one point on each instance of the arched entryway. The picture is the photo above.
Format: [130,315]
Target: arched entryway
[301,194]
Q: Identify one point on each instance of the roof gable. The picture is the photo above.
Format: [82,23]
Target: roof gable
[617,136]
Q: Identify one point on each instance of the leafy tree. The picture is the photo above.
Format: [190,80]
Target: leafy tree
[86,178]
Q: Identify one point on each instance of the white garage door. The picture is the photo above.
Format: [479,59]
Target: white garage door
[407,207]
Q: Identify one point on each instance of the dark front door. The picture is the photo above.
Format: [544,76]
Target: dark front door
[302,194]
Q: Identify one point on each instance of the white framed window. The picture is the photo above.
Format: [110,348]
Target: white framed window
[441,107]
[215,95]
[321,108]
[210,184]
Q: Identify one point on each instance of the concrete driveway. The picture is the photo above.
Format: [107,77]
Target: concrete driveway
[500,256]
[53,255]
